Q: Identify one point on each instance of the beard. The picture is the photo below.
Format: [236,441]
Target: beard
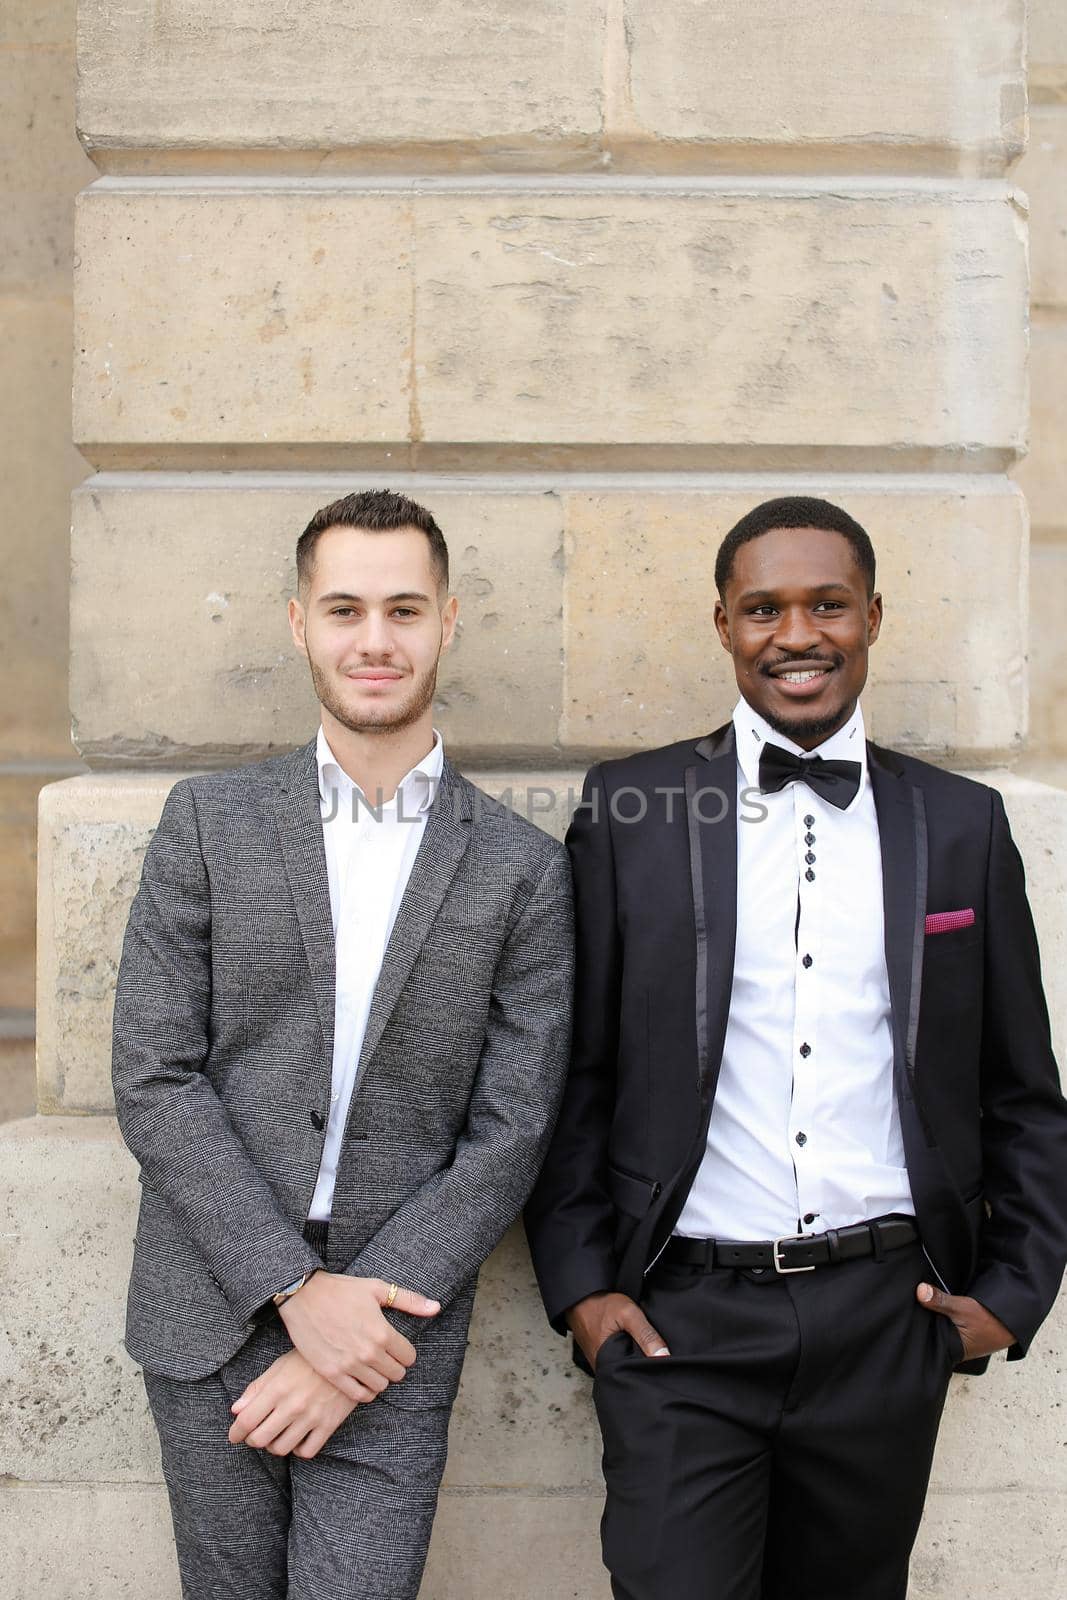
[385,719]
[821,728]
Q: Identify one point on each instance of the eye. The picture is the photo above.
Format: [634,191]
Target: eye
[830,605]
[405,611]
[342,611]
[762,611]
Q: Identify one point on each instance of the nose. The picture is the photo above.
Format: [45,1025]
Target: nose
[797,630]
[376,639]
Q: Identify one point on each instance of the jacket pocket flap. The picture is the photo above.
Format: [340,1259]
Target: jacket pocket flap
[631,1194]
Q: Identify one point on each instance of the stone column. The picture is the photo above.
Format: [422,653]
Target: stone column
[590,278]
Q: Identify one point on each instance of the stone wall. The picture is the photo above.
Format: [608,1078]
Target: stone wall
[590,278]
[1043,475]
[42,167]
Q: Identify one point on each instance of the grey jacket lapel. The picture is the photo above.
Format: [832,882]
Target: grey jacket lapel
[444,842]
[299,818]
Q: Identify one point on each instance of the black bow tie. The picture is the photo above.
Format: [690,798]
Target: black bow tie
[837,781]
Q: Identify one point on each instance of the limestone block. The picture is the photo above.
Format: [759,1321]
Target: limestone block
[18,864]
[40,22]
[944,77]
[506,86]
[92,836]
[1042,475]
[476,79]
[93,833]
[223,682]
[217,563]
[1048,648]
[1043,174]
[1047,50]
[523,1545]
[946,675]
[241,317]
[72,1404]
[1001,1546]
[40,469]
[333,325]
[40,172]
[666,318]
[86,1541]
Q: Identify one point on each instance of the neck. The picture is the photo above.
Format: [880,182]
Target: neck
[377,761]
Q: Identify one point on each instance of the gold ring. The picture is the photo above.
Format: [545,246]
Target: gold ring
[394,1290]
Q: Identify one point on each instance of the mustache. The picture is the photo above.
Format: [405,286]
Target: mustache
[800,661]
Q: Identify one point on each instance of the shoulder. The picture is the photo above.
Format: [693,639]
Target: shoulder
[505,826]
[967,797]
[649,769]
[221,791]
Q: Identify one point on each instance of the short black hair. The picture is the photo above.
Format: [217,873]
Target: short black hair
[374,511]
[794,511]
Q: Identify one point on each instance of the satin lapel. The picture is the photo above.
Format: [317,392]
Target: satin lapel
[443,845]
[299,818]
[902,836]
[711,810]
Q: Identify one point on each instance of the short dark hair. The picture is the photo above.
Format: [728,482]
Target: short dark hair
[794,511]
[374,511]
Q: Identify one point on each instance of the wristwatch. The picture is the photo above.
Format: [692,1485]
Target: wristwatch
[290,1289]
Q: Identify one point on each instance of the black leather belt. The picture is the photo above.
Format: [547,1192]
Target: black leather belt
[796,1252]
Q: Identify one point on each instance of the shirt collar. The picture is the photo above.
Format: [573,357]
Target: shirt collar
[752,732]
[417,787]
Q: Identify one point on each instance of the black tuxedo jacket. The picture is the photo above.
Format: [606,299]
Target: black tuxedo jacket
[654,852]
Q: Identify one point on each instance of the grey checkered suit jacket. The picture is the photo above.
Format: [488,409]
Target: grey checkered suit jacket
[222,1050]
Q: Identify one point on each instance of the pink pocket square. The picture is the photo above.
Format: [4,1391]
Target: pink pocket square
[949,921]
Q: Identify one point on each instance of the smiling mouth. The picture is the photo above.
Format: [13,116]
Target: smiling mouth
[802,674]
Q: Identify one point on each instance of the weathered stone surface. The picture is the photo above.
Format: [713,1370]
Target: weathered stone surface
[91,838]
[1047,50]
[219,565]
[1001,1546]
[40,469]
[1048,648]
[946,675]
[18,869]
[74,1541]
[1043,174]
[563,85]
[780,74]
[499,81]
[93,833]
[40,172]
[526,1546]
[18,1085]
[309,325]
[72,1405]
[1042,475]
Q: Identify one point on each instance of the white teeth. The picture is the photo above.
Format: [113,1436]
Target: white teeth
[803,677]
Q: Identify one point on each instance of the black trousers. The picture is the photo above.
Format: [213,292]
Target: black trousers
[782,1451]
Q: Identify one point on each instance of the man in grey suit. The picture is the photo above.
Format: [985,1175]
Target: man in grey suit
[341,1027]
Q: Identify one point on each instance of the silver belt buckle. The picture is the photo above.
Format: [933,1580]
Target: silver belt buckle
[776,1252]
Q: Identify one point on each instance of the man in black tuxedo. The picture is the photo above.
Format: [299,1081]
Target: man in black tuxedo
[813,1150]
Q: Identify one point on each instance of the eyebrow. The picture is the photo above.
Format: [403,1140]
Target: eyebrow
[390,600]
[817,588]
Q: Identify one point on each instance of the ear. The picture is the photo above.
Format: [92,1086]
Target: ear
[449,613]
[722,627]
[874,618]
[296,625]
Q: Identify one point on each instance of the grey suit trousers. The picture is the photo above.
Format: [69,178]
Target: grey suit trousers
[351,1524]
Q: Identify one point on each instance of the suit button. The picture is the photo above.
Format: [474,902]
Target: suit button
[805,1050]
[809,838]
[806,962]
[809,821]
[810,858]
[810,875]
[318,1120]
[802,1138]
[809,1218]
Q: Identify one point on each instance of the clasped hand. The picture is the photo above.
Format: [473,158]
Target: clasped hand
[345,1354]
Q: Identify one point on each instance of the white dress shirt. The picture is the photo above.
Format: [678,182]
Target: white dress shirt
[805,1132]
[369,857]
